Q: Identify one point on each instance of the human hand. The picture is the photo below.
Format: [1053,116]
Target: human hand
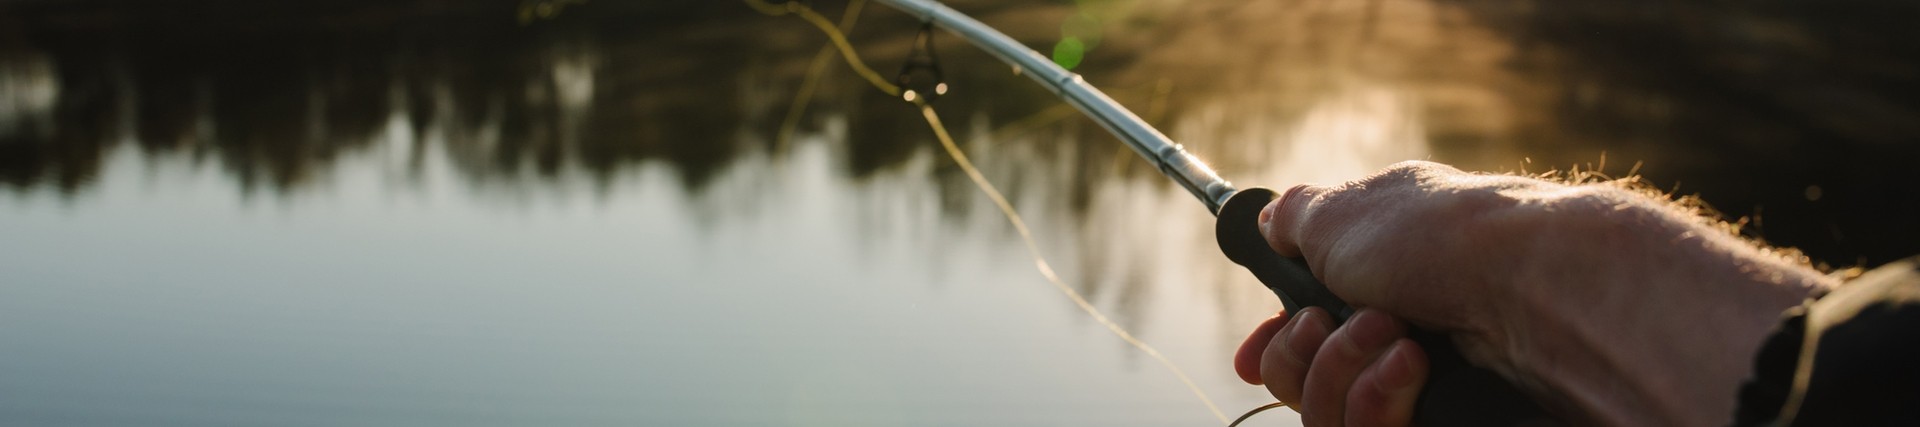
[1611,305]
[1370,374]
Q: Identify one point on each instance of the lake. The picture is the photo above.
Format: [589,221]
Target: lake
[610,213]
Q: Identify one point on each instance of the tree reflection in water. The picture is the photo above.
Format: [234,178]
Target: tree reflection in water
[1763,108]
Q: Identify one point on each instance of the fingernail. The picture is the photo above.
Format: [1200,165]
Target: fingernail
[1266,216]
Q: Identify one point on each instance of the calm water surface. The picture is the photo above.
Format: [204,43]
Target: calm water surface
[418,213]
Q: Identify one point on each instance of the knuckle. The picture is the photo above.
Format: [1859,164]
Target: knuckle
[1421,165]
[1343,346]
[1344,203]
[1307,337]
[1411,172]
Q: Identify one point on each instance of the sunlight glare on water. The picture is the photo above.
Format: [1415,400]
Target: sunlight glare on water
[1347,134]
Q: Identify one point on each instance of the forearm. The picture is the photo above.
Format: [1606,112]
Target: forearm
[1671,328]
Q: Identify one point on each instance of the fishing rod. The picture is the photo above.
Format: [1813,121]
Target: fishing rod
[1457,393]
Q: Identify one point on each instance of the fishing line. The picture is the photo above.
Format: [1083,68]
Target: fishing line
[1040,262]
[815,69]
[839,40]
[1263,408]
[1006,208]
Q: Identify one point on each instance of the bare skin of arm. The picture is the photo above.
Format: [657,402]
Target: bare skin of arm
[1612,306]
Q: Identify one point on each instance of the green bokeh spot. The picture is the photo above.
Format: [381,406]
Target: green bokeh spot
[1068,52]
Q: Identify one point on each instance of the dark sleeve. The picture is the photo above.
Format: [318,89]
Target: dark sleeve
[1864,367]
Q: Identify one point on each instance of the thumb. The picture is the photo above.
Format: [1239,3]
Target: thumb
[1280,221]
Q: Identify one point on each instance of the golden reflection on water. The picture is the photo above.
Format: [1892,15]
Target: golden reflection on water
[1271,93]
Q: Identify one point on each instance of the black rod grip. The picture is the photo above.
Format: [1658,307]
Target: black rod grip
[1457,393]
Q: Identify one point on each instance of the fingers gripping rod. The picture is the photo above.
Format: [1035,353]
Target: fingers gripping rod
[1457,393]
